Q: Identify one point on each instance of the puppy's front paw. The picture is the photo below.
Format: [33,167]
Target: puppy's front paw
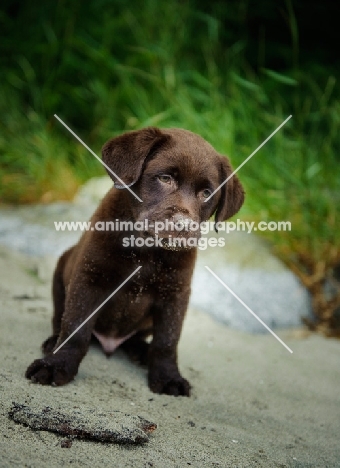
[51,370]
[49,344]
[174,385]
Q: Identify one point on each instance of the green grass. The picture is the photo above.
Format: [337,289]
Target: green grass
[128,71]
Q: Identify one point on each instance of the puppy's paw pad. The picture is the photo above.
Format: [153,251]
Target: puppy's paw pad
[179,387]
[49,372]
[39,372]
[176,386]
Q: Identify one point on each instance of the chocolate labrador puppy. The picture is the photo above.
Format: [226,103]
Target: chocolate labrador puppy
[173,172]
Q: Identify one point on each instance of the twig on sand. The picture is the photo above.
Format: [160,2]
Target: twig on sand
[85,423]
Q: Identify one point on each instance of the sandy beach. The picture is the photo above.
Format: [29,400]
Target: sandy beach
[253,403]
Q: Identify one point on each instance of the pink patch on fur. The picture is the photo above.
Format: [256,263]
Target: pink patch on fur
[110,344]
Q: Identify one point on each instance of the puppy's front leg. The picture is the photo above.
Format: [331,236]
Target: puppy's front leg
[164,376]
[61,367]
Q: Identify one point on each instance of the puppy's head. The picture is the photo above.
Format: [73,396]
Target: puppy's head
[174,172]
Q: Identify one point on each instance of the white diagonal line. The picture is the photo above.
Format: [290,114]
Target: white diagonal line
[97,157]
[95,311]
[246,160]
[249,310]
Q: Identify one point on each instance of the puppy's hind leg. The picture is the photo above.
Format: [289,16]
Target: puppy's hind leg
[137,348]
[59,295]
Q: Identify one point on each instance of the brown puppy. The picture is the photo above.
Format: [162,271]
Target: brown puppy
[173,171]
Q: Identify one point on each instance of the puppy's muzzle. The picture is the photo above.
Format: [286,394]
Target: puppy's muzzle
[177,225]
[183,223]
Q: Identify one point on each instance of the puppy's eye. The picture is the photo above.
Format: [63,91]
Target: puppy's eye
[206,193]
[166,179]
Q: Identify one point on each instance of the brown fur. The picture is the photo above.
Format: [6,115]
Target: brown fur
[155,300]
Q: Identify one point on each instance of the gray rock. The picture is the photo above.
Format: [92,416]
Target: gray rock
[248,267]
[30,229]
[93,191]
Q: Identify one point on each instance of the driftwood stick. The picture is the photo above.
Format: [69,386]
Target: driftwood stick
[108,426]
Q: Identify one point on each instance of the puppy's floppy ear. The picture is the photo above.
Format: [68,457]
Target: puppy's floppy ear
[126,154]
[232,193]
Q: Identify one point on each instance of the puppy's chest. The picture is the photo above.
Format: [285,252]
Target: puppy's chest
[154,271]
[155,277]
[149,287]
[138,293]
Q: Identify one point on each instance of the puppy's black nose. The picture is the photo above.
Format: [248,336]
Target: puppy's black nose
[182,222]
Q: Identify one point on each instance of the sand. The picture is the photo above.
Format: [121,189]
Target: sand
[253,403]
